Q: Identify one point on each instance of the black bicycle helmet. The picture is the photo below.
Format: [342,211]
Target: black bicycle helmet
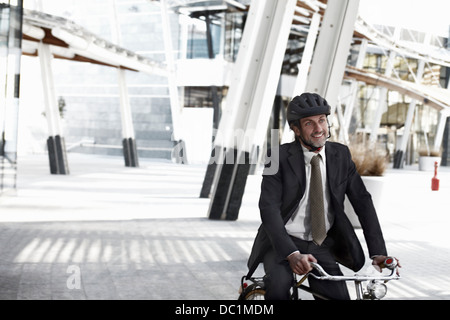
[307,105]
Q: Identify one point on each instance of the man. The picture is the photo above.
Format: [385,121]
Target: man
[287,239]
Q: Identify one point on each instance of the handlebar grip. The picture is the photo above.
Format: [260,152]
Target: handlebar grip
[390,263]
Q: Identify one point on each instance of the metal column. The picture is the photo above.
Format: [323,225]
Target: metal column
[211,169]
[443,115]
[175,105]
[249,101]
[446,134]
[354,89]
[214,90]
[128,142]
[55,142]
[399,156]
[129,147]
[445,161]
[382,103]
[10,60]
[332,50]
[303,68]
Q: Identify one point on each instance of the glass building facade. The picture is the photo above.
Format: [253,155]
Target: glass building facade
[88,93]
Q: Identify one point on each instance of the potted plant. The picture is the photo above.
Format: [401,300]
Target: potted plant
[427,158]
[371,163]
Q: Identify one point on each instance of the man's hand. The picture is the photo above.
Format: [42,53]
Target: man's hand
[378,262]
[299,263]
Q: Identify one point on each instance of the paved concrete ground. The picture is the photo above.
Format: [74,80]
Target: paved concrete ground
[110,232]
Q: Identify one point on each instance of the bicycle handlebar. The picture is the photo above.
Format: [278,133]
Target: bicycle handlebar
[391,265]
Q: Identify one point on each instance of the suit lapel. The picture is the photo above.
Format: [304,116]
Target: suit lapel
[332,160]
[296,161]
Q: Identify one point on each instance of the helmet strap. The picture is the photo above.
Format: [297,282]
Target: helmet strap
[310,146]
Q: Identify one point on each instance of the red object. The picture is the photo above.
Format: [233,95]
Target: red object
[435,180]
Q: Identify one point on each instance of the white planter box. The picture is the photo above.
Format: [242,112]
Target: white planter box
[427,163]
[375,187]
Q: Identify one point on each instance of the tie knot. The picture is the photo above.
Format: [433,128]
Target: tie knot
[316,160]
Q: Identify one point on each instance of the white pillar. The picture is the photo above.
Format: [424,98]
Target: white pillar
[128,137]
[55,142]
[443,115]
[51,105]
[10,110]
[382,103]
[303,68]
[175,105]
[10,60]
[332,49]
[125,107]
[410,113]
[343,134]
[268,77]
[350,106]
[399,156]
[250,99]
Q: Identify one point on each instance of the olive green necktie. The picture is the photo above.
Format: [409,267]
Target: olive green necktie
[318,229]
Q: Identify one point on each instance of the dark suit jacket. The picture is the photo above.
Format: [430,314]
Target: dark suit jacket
[281,193]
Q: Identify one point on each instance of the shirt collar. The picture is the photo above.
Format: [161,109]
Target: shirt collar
[307,155]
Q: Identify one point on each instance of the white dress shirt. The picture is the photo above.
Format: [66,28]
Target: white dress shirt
[299,224]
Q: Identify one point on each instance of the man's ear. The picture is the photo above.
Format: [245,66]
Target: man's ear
[296,130]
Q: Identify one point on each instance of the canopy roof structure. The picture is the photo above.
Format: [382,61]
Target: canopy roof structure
[70,41]
[435,97]
[438,98]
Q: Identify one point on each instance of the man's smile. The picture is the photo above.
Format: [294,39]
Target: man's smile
[318,135]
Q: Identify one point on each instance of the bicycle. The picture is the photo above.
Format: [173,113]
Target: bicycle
[253,288]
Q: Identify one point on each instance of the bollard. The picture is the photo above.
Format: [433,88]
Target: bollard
[435,180]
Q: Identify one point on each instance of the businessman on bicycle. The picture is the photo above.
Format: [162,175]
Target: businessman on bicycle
[288,238]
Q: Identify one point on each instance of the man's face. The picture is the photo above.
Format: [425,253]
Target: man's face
[313,130]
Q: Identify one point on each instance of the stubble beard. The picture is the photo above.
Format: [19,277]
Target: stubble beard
[317,140]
